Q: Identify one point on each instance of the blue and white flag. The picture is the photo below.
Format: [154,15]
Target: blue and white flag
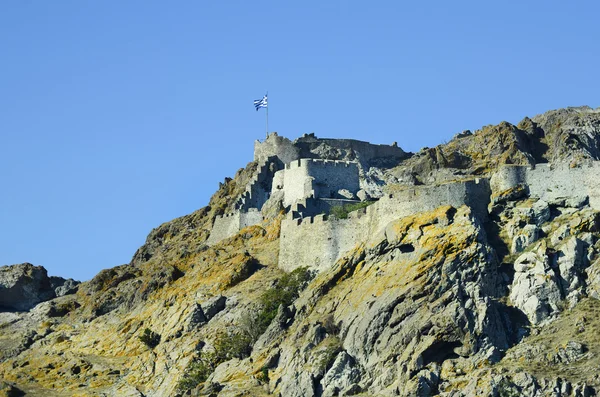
[260,103]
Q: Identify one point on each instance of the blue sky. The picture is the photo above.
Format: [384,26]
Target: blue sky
[118,116]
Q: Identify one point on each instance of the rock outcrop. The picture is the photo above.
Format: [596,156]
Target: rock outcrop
[23,286]
[467,299]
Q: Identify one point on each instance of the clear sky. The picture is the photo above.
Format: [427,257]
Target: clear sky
[116,116]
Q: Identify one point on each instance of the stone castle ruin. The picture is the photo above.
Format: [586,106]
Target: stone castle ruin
[310,175]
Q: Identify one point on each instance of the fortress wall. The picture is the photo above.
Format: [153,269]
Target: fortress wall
[367,151]
[250,218]
[278,180]
[306,146]
[508,177]
[317,241]
[474,193]
[322,178]
[328,239]
[225,226]
[230,224]
[331,176]
[552,182]
[297,183]
[276,145]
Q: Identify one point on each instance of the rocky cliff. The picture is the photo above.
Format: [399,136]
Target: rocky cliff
[441,302]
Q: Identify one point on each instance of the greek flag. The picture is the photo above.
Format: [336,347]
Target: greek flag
[260,103]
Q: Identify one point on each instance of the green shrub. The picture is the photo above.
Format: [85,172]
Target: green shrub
[263,376]
[150,338]
[226,347]
[236,345]
[342,211]
[327,356]
[285,292]
[198,371]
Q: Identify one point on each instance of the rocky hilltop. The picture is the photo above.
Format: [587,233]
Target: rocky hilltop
[337,267]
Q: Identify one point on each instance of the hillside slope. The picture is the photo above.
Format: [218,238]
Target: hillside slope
[438,303]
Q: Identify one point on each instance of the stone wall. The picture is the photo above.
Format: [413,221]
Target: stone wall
[258,190]
[552,182]
[230,224]
[317,178]
[367,153]
[329,238]
[277,146]
[309,146]
[318,241]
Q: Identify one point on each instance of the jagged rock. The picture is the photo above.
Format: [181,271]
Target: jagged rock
[282,320]
[342,378]
[571,352]
[196,318]
[213,306]
[517,192]
[23,286]
[528,235]
[560,234]
[274,205]
[571,260]
[541,212]
[64,287]
[535,288]
[576,201]
[426,305]
[363,195]
[347,194]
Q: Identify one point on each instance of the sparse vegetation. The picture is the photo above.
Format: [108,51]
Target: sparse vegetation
[226,347]
[342,211]
[263,376]
[238,344]
[332,346]
[285,292]
[197,371]
[150,338]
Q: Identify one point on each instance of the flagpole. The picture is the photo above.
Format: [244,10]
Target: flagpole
[267,113]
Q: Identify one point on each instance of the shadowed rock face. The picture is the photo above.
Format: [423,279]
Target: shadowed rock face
[23,286]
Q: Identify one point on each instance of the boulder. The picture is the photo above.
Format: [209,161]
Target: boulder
[363,195]
[535,289]
[24,285]
[343,376]
[213,306]
[347,194]
[528,235]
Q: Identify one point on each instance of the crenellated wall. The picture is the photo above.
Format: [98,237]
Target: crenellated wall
[310,146]
[230,224]
[329,238]
[552,182]
[317,178]
[258,190]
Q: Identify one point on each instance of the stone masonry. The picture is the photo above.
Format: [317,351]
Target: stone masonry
[329,238]
[309,187]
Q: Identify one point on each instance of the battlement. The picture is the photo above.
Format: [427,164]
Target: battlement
[319,162]
[328,237]
[551,182]
[308,146]
[318,178]
[310,220]
[230,224]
